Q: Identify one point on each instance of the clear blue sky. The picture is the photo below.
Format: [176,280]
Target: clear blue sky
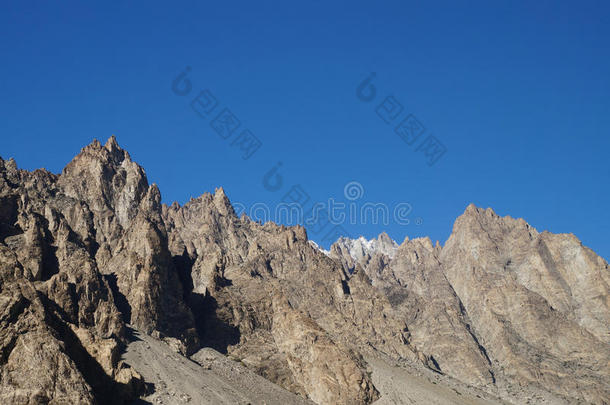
[518,93]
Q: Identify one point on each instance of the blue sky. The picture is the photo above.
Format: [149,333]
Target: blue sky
[517,93]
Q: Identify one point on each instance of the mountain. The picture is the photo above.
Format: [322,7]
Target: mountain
[361,251]
[99,279]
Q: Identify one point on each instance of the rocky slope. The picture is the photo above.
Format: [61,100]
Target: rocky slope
[522,313]
[500,308]
[207,378]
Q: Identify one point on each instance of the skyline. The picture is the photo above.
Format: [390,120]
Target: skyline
[517,94]
[291,217]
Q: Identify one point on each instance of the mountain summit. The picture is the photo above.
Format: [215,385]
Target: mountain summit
[105,295]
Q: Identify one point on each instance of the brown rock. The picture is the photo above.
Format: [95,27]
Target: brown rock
[501,307]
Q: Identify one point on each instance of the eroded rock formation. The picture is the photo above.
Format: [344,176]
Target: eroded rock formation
[501,307]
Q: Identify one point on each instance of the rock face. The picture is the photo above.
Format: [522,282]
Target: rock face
[537,301]
[129,240]
[206,378]
[502,307]
[266,295]
[60,330]
[519,314]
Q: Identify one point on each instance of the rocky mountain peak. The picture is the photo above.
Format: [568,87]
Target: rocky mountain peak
[385,239]
[112,144]
[500,308]
[10,164]
[361,247]
[222,202]
[475,220]
[107,179]
[111,154]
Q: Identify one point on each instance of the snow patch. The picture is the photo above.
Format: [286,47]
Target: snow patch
[361,247]
[315,245]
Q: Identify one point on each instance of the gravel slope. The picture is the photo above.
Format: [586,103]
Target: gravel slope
[217,380]
[210,377]
[398,386]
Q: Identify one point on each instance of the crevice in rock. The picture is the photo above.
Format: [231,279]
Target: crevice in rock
[214,330]
[120,301]
[184,265]
[8,217]
[345,287]
[436,368]
[105,389]
[50,263]
[481,348]
[547,258]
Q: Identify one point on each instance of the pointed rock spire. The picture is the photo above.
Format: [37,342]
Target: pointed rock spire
[106,178]
[471,209]
[385,238]
[222,203]
[111,144]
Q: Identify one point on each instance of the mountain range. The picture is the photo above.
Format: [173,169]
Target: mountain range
[109,296]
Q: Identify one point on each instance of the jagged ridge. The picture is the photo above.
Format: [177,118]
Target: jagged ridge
[501,307]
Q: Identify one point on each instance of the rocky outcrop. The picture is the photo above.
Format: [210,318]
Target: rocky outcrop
[328,372]
[374,253]
[256,285]
[538,303]
[60,332]
[129,239]
[502,308]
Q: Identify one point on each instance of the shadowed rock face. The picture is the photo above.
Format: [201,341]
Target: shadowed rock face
[129,239]
[60,331]
[268,295]
[501,307]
